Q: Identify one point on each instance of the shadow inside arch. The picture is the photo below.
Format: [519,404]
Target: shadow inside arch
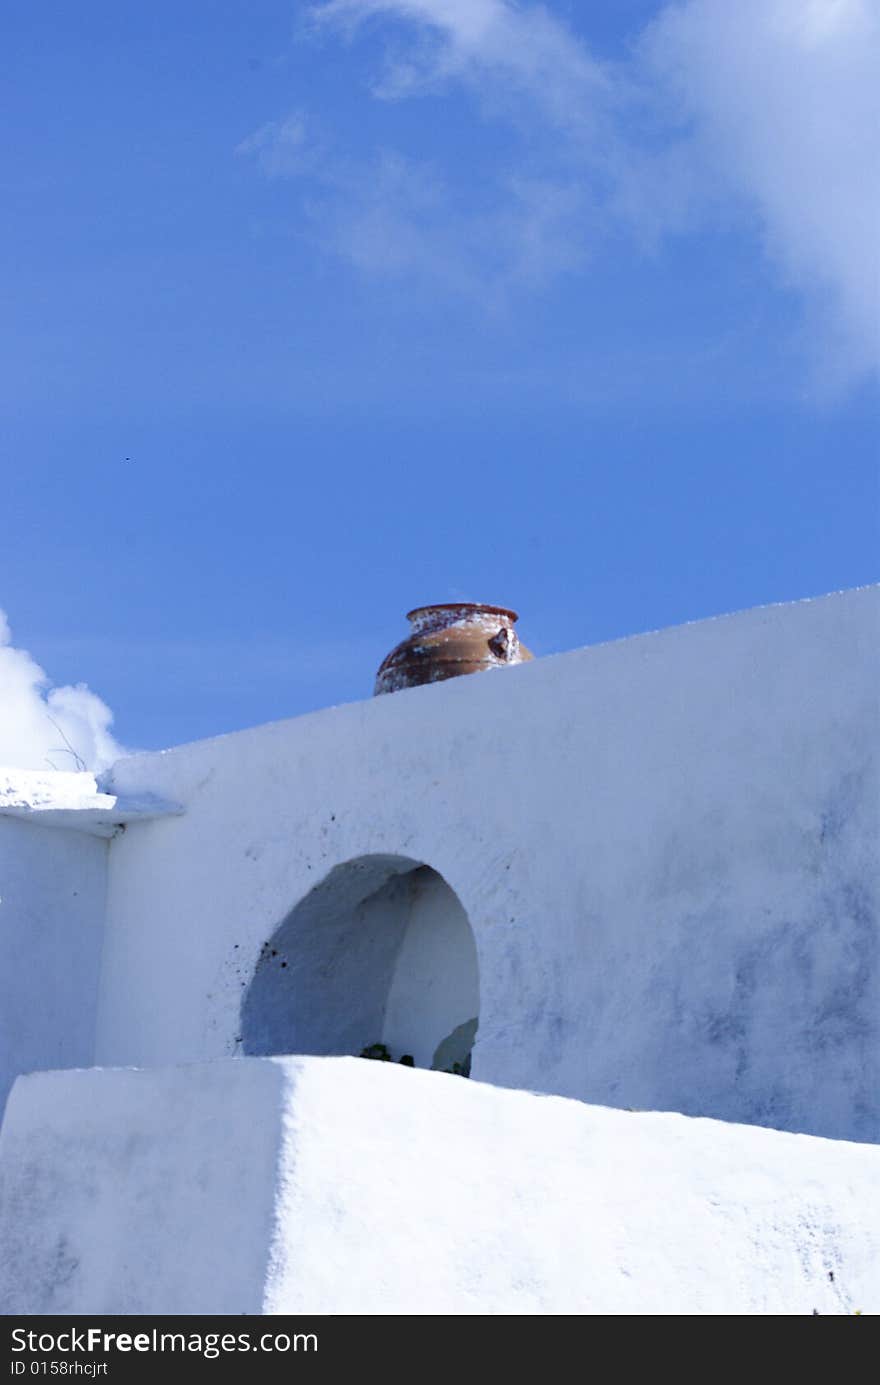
[380,951]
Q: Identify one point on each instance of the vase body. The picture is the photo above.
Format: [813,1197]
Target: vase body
[448,641]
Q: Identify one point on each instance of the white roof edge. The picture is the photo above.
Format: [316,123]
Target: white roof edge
[60,798]
[368,701]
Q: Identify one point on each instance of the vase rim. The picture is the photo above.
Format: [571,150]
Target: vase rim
[464,607]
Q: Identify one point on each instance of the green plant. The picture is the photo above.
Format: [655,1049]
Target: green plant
[380,1053]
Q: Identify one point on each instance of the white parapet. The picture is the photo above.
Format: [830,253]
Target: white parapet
[665,850]
[75,800]
[338,1186]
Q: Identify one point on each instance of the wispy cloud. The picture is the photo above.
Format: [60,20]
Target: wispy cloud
[401,217]
[765,111]
[282,148]
[43,726]
[519,50]
[782,98]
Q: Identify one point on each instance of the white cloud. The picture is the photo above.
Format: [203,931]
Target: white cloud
[43,726]
[394,215]
[399,217]
[764,111]
[523,50]
[783,97]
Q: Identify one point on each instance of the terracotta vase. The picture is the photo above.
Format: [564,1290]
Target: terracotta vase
[446,641]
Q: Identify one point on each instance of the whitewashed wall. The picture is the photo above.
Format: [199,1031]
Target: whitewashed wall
[52,897]
[330,1185]
[666,848]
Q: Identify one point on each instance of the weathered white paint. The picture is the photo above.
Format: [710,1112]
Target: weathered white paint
[665,847]
[52,902]
[333,1185]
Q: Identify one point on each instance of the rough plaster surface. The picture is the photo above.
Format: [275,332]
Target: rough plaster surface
[52,900]
[665,847]
[334,1185]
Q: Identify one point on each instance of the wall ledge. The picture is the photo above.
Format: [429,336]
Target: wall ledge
[74,800]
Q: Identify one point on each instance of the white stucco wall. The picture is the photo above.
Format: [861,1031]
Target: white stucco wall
[52,899]
[343,1186]
[666,848]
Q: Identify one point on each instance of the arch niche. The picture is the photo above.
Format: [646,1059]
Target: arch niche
[381,951]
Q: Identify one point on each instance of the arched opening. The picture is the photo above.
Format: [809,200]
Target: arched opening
[380,952]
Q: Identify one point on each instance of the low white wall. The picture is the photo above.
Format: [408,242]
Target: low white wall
[333,1186]
[140,1192]
[666,848]
[52,899]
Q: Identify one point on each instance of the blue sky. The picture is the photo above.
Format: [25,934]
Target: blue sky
[315,313]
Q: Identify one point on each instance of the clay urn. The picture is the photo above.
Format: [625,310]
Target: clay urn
[449,640]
